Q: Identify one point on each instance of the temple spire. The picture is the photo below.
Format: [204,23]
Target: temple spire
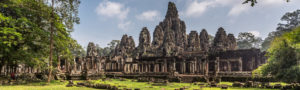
[172,11]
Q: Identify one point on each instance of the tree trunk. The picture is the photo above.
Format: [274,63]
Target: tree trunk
[51,42]
[1,66]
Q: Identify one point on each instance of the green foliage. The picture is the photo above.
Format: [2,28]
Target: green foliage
[291,20]
[283,58]
[8,33]
[24,30]
[67,11]
[247,40]
[107,51]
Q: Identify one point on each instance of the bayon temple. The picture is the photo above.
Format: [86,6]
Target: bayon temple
[171,53]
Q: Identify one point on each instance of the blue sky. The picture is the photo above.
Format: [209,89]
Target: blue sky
[104,20]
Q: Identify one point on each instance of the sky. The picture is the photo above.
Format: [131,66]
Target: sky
[104,20]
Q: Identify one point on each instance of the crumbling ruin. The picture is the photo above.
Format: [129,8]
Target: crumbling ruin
[175,53]
[171,53]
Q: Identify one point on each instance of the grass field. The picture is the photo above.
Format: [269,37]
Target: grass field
[126,83]
[55,85]
[171,86]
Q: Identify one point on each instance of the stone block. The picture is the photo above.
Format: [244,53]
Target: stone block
[237,84]
[277,86]
[223,86]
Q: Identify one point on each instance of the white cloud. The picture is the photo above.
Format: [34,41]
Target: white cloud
[238,9]
[225,2]
[255,33]
[124,25]
[115,10]
[197,8]
[148,15]
[272,2]
[112,9]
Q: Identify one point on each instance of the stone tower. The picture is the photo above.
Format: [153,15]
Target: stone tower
[232,45]
[173,32]
[144,41]
[204,40]
[193,41]
[220,42]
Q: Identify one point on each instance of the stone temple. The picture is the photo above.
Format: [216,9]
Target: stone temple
[171,54]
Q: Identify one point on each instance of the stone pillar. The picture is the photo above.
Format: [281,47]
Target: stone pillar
[195,65]
[165,66]
[229,66]
[240,64]
[252,63]
[149,67]
[217,65]
[181,67]
[174,65]
[129,68]
[154,67]
[58,64]
[206,67]
[139,67]
[191,66]
[142,67]
[145,66]
[74,69]
[201,67]
[184,66]
[132,68]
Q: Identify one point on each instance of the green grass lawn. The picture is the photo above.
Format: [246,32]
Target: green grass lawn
[55,85]
[128,83]
[171,86]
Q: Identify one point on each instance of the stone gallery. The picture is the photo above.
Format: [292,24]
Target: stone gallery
[171,53]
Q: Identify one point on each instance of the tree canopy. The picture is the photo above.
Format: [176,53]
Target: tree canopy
[290,20]
[24,34]
[283,58]
[247,40]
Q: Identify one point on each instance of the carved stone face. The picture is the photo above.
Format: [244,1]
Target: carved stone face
[92,50]
[193,41]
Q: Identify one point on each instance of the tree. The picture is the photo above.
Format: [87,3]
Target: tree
[67,11]
[112,45]
[247,40]
[22,26]
[107,51]
[290,21]
[24,30]
[283,58]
